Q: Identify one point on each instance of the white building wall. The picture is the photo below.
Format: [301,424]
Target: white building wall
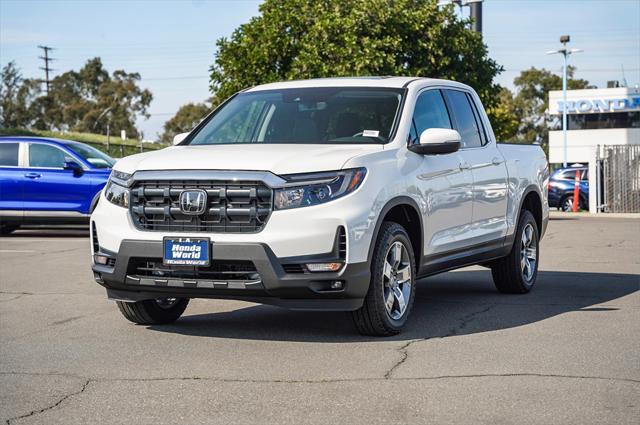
[581,143]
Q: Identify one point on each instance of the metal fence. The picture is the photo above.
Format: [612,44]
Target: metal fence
[621,175]
[121,150]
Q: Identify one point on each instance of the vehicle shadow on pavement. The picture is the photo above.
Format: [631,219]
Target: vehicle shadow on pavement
[446,305]
[50,232]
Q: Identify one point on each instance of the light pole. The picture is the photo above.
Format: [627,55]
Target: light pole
[565,53]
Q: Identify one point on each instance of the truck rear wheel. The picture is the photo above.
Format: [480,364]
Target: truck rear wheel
[516,273]
[392,288]
[160,311]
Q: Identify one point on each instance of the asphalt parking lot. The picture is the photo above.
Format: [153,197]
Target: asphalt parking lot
[569,352]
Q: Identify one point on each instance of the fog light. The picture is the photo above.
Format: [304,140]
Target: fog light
[324,267]
[100,259]
[336,284]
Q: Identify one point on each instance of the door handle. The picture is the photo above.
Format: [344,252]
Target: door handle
[33,175]
[464,166]
[496,161]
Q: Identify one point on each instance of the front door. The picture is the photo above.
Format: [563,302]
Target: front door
[445,182]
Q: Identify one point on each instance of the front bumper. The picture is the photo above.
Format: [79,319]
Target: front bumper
[300,290]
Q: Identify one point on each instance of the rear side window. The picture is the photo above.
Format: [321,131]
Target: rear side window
[9,154]
[430,112]
[46,156]
[465,120]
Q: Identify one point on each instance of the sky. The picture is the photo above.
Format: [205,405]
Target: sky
[172,43]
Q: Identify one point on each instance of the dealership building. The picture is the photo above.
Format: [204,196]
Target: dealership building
[601,123]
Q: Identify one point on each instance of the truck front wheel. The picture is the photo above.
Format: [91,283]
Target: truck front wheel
[392,288]
[160,311]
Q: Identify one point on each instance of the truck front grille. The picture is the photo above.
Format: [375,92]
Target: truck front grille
[225,270]
[231,207]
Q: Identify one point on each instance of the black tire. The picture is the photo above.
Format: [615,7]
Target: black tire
[373,318]
[153,312]
[566,204]
[509,274]
[6,229]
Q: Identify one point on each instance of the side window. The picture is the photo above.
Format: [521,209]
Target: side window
[46,156]
[430,112]
[476,114]
[585,175]
[568,175]
[9,154]
[465,120]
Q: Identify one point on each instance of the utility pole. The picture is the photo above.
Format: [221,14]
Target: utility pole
[565,53]
[476,14]
[475,9]
[46,58]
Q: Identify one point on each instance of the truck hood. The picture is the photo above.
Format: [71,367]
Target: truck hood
[277,158]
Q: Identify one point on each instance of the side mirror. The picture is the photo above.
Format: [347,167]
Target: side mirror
[179,138]
[73,166]
[434,141]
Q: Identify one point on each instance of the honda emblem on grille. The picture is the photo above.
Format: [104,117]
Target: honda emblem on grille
[193,202]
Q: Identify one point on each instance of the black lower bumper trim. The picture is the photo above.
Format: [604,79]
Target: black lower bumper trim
[308,291]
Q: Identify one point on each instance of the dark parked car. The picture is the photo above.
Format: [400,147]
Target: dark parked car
[561,187]
[46,181]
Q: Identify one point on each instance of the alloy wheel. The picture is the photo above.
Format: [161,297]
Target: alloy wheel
[396,278]
[528,252]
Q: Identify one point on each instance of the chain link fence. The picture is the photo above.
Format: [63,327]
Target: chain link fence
[621,174]
[121,150]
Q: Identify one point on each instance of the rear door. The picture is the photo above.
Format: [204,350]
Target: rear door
[11,175]
[480,154]
[443,183]
[48,186]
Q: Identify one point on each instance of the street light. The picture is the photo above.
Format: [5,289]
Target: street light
[565,53]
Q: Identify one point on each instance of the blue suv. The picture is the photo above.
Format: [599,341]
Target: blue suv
[46,181]
[562,184]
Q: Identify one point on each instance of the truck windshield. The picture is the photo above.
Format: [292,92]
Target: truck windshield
[304,115]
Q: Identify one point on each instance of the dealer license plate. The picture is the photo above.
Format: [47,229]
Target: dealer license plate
[186,251]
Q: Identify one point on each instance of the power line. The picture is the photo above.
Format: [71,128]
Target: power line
[46,67]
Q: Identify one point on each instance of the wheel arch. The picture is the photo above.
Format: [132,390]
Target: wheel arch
[404,211]
[532,201]
[94,201]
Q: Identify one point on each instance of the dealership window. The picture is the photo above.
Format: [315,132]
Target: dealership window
[603,120]
[8,154]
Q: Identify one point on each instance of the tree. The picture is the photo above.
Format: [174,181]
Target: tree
[78,100]
[295,39]
[16,95]
[187,117]
[503,119]
[529,104]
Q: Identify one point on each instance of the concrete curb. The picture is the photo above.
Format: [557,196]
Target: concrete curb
[560,214]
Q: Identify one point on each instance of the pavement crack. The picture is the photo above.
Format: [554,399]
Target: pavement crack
[465,320]
[404,356]
[52,406]
[404,349]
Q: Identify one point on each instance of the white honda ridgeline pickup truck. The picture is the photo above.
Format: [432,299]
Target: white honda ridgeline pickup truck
[328,194]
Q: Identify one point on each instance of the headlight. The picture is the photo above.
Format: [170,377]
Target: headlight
[317,188]
[116,191]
